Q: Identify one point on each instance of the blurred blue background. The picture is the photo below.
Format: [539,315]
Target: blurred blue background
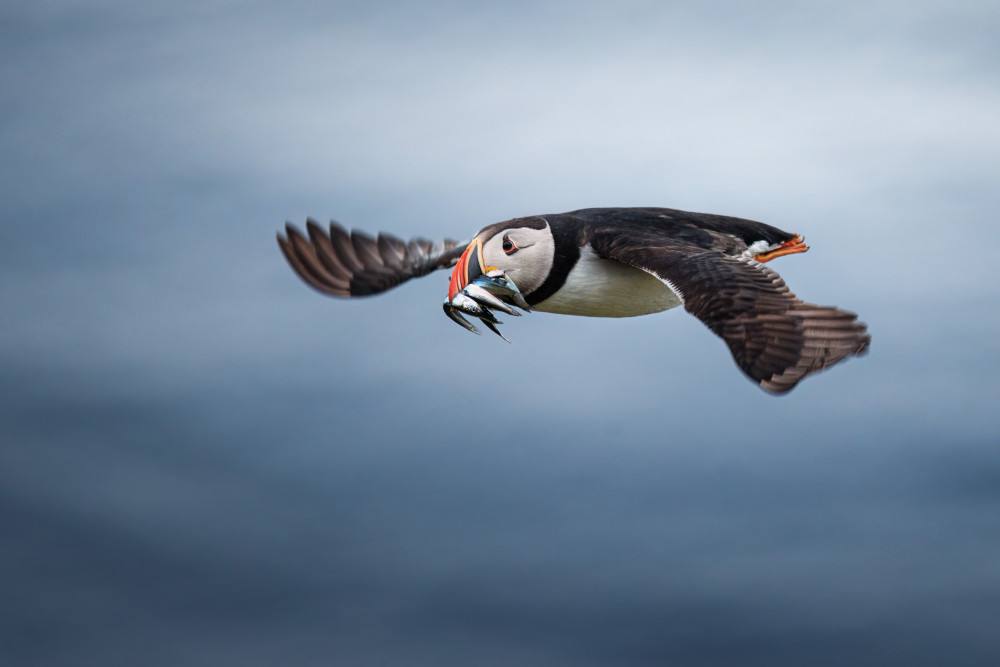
[204,462]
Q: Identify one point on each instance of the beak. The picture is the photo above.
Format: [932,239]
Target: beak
[796,244]
[469,267]
[476,288]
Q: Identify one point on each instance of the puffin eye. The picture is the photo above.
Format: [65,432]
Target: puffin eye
[508,245]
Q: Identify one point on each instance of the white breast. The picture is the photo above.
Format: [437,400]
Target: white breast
[605,288]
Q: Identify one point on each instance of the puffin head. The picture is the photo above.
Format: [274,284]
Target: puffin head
[523,249]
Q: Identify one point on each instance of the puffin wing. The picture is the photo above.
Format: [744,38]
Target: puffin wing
[342,263]
[774,337]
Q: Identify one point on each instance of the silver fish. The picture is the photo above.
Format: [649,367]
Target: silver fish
[483,296]
[492,327]
[498,284]
[452,312]
[491,290]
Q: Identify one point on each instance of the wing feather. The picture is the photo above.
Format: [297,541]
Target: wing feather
[325,252]
[309,257]
[774,337]
[347,264]
[295,255]
[392,250]
[344,249]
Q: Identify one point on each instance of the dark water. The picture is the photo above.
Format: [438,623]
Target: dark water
[263,526]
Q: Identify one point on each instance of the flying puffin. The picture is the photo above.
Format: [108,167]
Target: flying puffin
[606,262]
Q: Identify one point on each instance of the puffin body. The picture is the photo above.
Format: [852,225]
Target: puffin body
[608,262]
[578,250]
[598,287]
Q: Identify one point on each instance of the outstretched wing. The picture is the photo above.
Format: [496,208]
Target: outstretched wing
[774,337]
[339,263]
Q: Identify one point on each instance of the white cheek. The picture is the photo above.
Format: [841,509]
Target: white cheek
[530,265]
[527,269]
[494,257]
[520,267]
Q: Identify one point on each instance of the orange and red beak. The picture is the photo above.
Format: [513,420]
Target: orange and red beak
[476,289]
[469,267]
[789,247]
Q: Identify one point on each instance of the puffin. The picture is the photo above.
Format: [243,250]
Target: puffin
[606,262]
